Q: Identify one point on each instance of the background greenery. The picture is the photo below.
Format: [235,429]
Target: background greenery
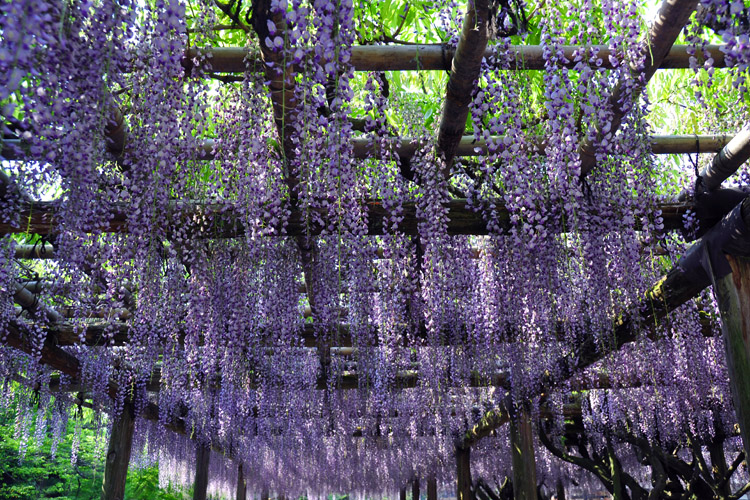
[38,475]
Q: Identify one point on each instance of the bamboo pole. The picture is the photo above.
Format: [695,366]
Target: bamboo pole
[433,57]
[43,251]
[671,18]
[406,147]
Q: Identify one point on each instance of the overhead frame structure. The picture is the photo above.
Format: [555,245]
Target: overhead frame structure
[677,287]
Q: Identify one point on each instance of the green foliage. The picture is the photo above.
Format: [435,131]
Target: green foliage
[144,485]
[38,475]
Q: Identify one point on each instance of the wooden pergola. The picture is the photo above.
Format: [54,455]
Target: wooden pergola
[718,258]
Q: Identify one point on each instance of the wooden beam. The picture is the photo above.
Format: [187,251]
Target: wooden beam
[43,251]
[41,218]
[733,296]
[669,22]
[728,161]
[468,146]
[118,454]
[202,458]
[435,57]
[465,67]
[522,456]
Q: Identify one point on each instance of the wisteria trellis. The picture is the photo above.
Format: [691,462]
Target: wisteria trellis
[198,294]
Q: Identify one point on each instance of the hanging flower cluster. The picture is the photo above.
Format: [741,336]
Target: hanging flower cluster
[229,265]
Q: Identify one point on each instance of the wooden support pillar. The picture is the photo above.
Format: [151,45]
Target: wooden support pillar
[432,489]
[241,484]
[203,454]
[463,474]
[522,454]
[264,494]
[118,455]
[560,491]
[402,494]
[415,489]
[733,295]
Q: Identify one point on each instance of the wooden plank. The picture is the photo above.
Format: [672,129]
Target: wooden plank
[433,57]
[202,458]
[733,296]
[522,456]
[118,455]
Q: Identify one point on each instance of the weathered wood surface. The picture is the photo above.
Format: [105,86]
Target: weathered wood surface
[463,474]
[406,147]
[241,484]
[202,458]
[465,67]
[733,296]
[219,221]
[522,456]
[728,161]
[432,489]
[670,20]
[118,455]
[433,57]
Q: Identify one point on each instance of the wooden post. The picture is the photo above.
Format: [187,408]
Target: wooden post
[402,494]
[733,295]
[560,490]
[463,473]
[118,455]
[241,484]
[264,494]
[522,454]
[432,489]
[415,489]
[203,454]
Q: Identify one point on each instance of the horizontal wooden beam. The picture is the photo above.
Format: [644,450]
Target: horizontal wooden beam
[433,57]
[41,218]
[406,147]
